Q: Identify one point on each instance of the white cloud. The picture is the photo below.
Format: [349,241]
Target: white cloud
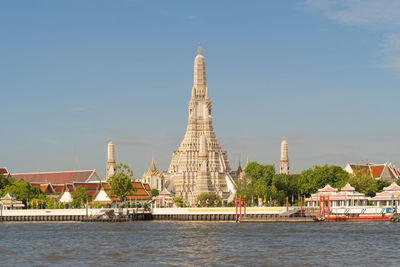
[190,18]
[76,109]
[53,142]
[391,52]
[377,13]
[374,14]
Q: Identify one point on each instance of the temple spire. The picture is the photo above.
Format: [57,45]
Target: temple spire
[111,165]
[247,162]
[199,79]
[284,163]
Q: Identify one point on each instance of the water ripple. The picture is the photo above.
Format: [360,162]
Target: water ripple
[198,244]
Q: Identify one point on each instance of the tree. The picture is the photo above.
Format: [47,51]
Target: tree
[80,196]
[209,199]
[256,180]
[121,182]
[154,192]
[363,182]
[22,190]
[317,177]
[178,201]
[4,181]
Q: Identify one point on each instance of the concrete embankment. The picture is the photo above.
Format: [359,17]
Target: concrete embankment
[252,214]
[68,215]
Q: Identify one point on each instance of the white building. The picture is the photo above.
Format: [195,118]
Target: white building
[347,196]
[388,197]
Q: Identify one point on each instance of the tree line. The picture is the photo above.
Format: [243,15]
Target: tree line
[261,183]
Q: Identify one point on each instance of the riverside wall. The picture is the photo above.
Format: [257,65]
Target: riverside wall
[181,214]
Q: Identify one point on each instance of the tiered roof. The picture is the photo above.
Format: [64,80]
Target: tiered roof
[389,193]
[385,171]
[346,193]
[327,188]
[152,171]
[46,188]
[4,172]
[141,191]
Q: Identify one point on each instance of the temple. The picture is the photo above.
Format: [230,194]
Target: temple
[111,165]
[200,165]
[153,177]
[386,171]
[284,163]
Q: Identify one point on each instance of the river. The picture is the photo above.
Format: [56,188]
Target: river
[155,243]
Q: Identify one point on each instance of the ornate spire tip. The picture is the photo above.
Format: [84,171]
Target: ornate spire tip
[199,49]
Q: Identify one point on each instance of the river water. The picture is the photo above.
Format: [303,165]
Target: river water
[155,243]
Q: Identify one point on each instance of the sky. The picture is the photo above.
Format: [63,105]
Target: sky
[326,74]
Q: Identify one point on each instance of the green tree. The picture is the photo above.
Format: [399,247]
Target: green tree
[22,190]
[317,177]
[363,182]
[4,181]
[178,201]
[256,180]
[209,199]
[80,196]
[154,192]
[121,182]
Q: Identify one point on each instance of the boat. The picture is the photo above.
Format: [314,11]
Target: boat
[357,214]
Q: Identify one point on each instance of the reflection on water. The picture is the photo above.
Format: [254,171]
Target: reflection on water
[198,243]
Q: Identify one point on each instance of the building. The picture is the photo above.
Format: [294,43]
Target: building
[153,178]
[54,182]
[200,165]
[284,163]
[389,194]
[385,171]
[111,165]
[9,202]
[4,172]
[100,192]
[163,200]
[102,197]
[347,196]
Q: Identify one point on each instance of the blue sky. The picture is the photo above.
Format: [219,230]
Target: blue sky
[326,74]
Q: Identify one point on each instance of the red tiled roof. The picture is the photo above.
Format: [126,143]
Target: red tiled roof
[55,177]
[377,171]
[91,188]
[147,187]
[58,188]
[4,171]
[136,185]
[363,169]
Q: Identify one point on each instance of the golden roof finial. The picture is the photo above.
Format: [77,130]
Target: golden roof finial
[199,49]
[111,139]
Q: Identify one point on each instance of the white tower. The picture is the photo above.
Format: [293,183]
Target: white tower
[110,160]
[284,164]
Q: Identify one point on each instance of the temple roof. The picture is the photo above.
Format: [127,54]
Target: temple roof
[4,171]
[328,188]
[392,187]
[152,171]
[239,169]
[348,187]
[55,177]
